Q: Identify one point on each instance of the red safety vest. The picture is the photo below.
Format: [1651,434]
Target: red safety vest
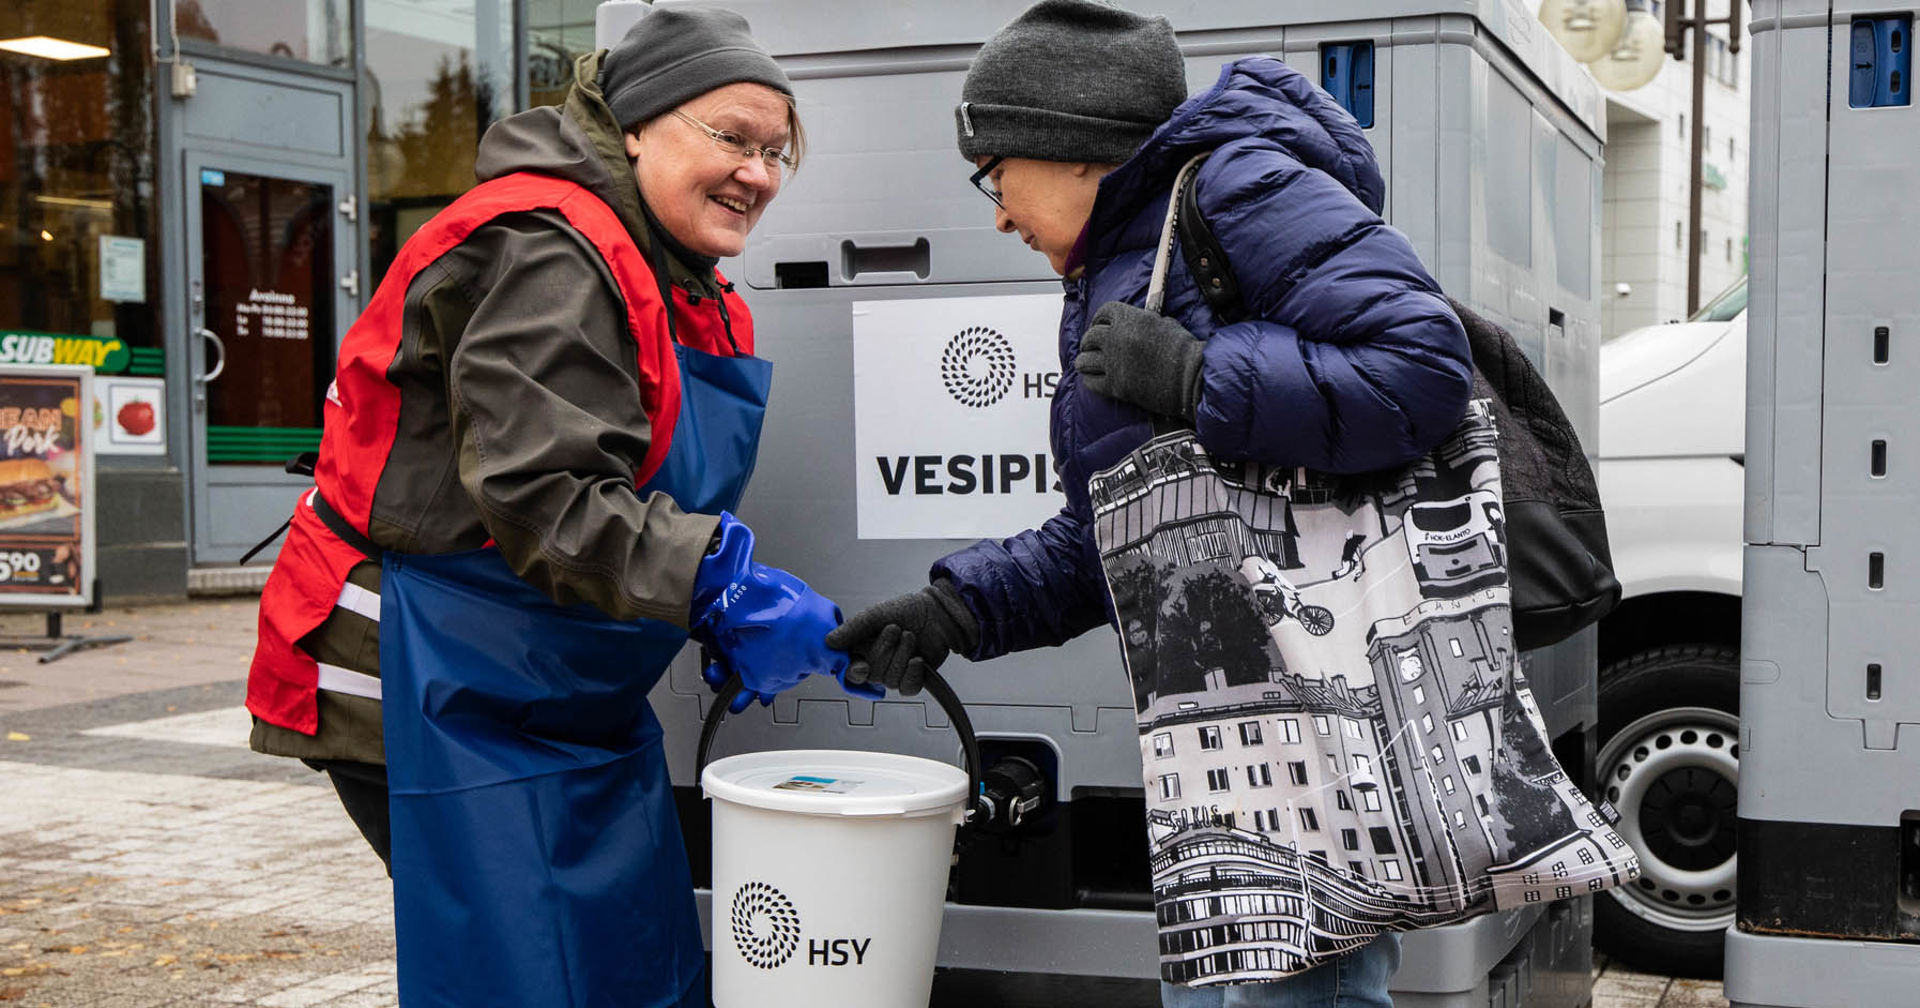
[363,415]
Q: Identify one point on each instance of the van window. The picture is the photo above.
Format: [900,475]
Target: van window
[1727,306]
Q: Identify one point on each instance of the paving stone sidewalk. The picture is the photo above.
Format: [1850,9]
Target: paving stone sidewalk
[148,860]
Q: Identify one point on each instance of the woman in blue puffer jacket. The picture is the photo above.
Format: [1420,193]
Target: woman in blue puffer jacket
[1350,359]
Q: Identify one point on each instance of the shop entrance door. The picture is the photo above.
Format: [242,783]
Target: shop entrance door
[271,284]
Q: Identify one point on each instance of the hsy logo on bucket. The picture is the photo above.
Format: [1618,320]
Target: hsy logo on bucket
[951,398]
[766,930]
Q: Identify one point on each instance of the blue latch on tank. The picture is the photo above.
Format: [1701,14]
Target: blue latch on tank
[1346,72]
[1882,62]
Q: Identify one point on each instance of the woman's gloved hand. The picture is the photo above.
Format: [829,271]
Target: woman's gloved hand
[894,643]
[758,621]
[1139,357]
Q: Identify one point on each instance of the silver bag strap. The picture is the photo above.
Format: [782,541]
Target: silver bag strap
[1157,287]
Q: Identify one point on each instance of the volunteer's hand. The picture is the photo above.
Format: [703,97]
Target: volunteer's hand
[1139,357]
[895,643]
[759,621]
[715,675]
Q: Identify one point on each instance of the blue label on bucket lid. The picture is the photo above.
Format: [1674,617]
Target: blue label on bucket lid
[825,785]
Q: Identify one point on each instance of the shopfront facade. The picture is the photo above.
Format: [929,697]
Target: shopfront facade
[217,186]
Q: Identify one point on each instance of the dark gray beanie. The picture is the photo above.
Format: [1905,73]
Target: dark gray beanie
[1070,80]
[675,54]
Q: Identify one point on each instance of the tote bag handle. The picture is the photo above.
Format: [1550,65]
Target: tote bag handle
[1169,232]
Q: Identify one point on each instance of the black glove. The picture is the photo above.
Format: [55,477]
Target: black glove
[896,642]
[1138,357]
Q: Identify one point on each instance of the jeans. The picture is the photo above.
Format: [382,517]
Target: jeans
[1355,980]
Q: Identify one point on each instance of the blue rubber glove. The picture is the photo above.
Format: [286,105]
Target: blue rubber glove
[760,621]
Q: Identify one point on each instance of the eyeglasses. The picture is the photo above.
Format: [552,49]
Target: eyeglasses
[733,143]
[986,185]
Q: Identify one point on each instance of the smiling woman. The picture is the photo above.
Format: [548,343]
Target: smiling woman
[707,185]
[511,449]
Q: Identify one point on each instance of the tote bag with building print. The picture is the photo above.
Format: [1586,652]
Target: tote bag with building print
[1337,733]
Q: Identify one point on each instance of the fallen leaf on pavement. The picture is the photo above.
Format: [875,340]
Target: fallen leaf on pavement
[14,736]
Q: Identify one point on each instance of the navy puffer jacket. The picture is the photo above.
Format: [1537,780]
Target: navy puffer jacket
[1350,359]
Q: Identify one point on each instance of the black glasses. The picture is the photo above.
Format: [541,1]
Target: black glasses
[986,185]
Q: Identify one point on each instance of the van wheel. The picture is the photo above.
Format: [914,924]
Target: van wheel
[1669,762]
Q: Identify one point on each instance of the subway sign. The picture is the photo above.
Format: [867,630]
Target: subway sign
[104,354]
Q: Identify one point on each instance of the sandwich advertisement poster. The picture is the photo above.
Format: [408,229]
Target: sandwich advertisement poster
[46,486]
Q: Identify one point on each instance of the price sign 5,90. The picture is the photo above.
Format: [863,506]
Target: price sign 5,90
[19,566]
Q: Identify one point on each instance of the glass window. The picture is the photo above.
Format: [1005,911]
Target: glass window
[1259,775]
[1163,744]
[1311,823]
[558,33]
[1390,870]
[1169,786]
[312,31]
[1370,800]
[267,246]
[1322,725]
[1350,839]
[1250,733]
[1209,737]
[1290,730]
[1297,772]
[1382,838]
[439,72]
[1725,307]
[78,243]
[1217,779]
[1460,730]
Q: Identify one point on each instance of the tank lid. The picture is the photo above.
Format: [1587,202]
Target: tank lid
[836,782]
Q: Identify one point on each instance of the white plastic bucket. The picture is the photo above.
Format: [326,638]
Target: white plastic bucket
[829,876]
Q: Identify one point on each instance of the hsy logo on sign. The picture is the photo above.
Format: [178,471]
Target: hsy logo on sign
[978,367]
[951,399]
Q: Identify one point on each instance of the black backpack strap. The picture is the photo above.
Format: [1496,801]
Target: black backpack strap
[1207,260]
[299,465]
[340,527]
[264,543]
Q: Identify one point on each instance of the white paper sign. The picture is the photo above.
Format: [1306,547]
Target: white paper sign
[129,415]
[950,415]
[123,269]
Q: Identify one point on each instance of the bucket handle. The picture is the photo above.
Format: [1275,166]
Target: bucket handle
[949,702]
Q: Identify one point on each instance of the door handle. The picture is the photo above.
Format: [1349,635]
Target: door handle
[209,334]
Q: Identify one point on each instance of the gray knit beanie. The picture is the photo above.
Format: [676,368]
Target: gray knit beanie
[1070,80]
[675,54]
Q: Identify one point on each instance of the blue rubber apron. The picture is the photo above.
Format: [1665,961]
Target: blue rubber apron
[537,857]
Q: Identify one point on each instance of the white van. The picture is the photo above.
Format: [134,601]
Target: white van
[1672,451]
